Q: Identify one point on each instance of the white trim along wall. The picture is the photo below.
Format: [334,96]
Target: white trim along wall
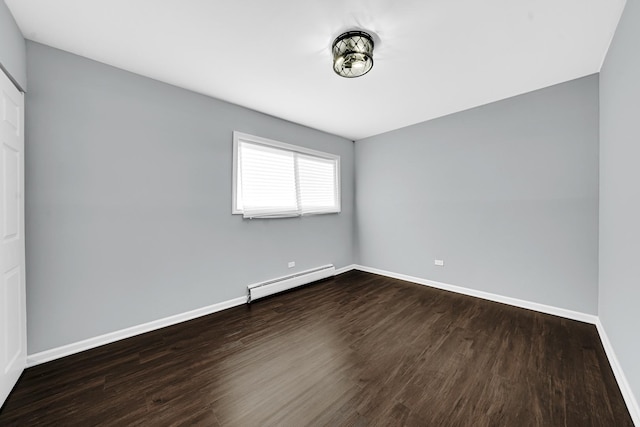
[627,393]
[625,388]
[89,343]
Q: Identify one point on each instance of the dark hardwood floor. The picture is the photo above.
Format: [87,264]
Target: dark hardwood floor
[356,350]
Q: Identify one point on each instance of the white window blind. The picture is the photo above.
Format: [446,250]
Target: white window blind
[274,179]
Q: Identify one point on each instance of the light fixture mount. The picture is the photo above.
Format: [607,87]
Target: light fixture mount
[352,54]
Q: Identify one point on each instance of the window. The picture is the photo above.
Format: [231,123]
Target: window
[272,179]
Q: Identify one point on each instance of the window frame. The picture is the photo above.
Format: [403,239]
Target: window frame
[239,137]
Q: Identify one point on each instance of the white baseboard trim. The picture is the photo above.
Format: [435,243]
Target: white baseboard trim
[623,384]
[345,269]
[89,343]
[77,347]
[625,388]
[548,309]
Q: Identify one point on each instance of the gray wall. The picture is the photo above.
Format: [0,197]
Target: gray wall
[128,201]
[506,194]
[12,48]
[620,194]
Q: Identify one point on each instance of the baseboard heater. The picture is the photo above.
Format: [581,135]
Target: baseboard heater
[270,287]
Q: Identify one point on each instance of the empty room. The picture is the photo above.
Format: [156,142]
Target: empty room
[331,213]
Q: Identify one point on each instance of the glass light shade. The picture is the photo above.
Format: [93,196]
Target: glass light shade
[352,54]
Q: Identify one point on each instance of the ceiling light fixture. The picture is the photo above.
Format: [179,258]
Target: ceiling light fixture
[352,54]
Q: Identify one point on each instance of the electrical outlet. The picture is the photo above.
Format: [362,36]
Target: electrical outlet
[438,262]
[291,264]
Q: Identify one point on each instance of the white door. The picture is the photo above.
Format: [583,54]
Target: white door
[13,323]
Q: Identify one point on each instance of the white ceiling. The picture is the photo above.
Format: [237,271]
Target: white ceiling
[432,58]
